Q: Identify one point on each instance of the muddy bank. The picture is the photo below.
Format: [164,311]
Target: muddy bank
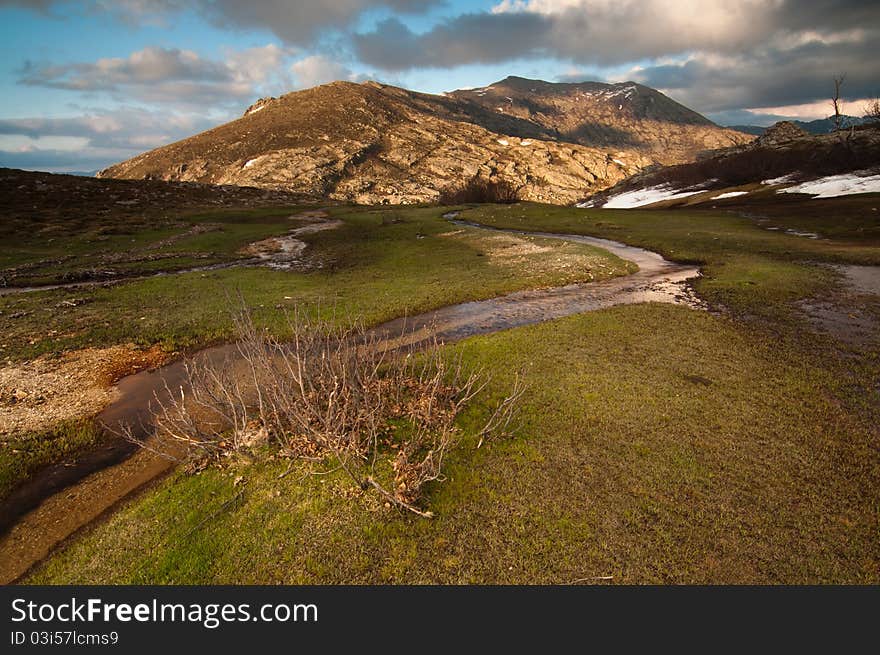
[286,252]
[62,513]
[39,394]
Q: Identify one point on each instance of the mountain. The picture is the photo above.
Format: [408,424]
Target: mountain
[622,115]
[757,130]
[372,143]
[818,126]
[785,159]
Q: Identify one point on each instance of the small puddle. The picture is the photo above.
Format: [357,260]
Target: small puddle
[763,223]
[851,316]
[62,513]
[862,279]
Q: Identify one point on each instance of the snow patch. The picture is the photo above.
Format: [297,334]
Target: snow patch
[837,185]
[251,162]
[809,235]
[647,196]
[729,194]
[778,180]
[526,142]
[504,142]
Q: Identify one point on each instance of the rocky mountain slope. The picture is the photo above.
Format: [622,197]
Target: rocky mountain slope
[784,160]
[623,115]
[371,143]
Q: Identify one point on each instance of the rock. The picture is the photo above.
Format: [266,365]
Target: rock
[258,105]
[377,144]
[781,132]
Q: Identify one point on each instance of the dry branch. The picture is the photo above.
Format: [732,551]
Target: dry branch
[387,419]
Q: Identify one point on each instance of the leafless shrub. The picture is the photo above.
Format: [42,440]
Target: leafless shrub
[480,190]
[387,419]
[872,111]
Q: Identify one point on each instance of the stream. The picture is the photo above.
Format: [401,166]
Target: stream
[283,252]
[62,499]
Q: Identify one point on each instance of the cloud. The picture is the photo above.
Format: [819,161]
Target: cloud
[189,93]
[168,75]
[35,5]
[466,39]
[768,77]
[301,23]
[295,22]
[714,55]
[318,69]
[127,128]
[108,137]
[58,161]
[587,31]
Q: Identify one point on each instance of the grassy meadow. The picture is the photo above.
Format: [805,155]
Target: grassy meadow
[656,443]
[377,266]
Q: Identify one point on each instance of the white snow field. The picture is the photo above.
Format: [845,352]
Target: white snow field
[837,185]
[647,196]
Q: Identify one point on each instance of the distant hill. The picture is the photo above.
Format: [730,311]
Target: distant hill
[818,126]
[372,143]
[785,159]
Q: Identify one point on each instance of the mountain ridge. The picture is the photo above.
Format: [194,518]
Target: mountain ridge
[816,126]
[373,143]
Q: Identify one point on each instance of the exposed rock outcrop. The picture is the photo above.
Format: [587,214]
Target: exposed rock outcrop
[371,143]
[781,132]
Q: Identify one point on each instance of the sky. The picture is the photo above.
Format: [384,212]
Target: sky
[88,83]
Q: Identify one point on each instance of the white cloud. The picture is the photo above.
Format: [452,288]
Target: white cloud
[318,69]
[171,76]
[93,140]
[812,110]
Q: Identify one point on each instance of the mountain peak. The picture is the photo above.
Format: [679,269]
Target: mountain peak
[594,113]
[374,143]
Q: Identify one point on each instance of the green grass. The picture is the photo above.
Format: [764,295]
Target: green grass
[847,218]
[659,444]
[101,243]
[21,455]
[746,268]
[370,270]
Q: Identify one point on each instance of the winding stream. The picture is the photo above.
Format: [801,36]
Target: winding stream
[65,498]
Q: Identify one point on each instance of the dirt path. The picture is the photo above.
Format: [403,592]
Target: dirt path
[60,515]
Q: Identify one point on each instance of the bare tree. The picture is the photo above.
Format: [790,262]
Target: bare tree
[872,111]
[837,102]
